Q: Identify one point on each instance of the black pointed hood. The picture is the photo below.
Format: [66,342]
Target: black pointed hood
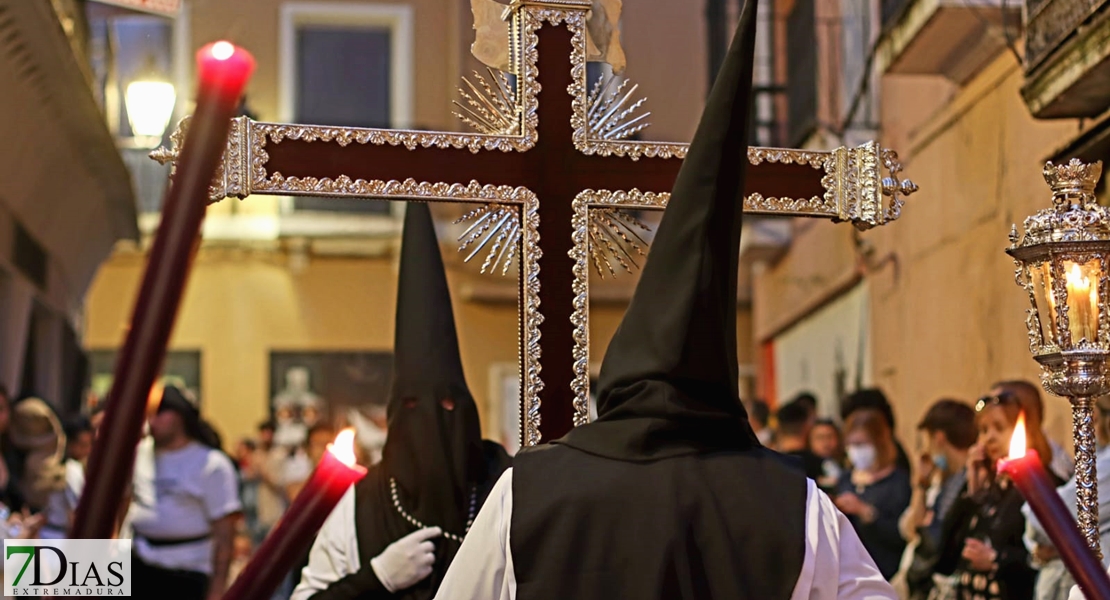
[669,382]
[425,346]
[433,447]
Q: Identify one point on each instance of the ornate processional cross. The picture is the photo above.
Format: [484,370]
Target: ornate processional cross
[559,168]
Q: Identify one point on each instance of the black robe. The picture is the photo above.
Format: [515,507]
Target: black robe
[378,525]
[698,526]
[434,449]
[668,494]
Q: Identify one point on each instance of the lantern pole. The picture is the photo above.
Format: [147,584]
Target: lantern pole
[1062,259]
[1086,475]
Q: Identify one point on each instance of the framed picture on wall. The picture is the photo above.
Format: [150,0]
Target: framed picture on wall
[338,387]
[181,369]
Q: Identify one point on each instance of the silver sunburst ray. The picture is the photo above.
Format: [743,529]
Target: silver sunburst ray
[615,236]
[487,106]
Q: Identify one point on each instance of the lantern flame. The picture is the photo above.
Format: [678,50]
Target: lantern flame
[343,448]
[1077,281]
[222,50]
[1076,278]
[1017,441]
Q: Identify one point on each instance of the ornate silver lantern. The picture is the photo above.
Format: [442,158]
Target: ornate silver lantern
[1063,259]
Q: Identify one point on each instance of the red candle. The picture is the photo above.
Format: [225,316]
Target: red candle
[1025,469]
[224,70]
[293,534]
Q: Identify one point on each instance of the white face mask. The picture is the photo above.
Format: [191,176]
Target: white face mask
[862,456]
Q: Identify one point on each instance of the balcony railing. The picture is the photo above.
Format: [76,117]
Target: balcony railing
[801,71]
[1050,22]
[1066,58]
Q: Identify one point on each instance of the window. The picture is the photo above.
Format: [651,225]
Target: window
[801,71]
[124,49]
[856,39]
[142,48]
[347,66]
[343,76]
[342,80]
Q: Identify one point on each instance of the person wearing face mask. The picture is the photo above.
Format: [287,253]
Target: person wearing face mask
[1054,582]
[876,491]
[948,430]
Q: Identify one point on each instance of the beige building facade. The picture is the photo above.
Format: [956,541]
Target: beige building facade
[269,278]
[941,315]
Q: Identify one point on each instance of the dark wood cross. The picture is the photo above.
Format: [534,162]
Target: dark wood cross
[549,159]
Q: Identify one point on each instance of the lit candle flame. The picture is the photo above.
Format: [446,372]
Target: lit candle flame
[343,448]
[1017,441]
[1076,279]
[222,50]
[1082,304]
[154,397]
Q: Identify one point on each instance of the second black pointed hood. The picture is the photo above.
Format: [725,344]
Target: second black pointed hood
[669,380]
[433,448]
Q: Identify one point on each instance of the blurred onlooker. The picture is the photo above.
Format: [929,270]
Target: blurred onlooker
[297,472]
[249,480]
[875,399]
[96,417]
[10,496]
[809,401]
[876,492]
[982,544]
[949,428]
[185,503]
[793,421]
[1061,464]
[759,416]
[37,437]
[1054,582]
[240,555]
[304,459]
[79,439]
[62,504]
[825,441]
[270,461]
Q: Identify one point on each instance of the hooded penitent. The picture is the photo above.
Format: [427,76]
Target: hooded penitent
[669,382]
[434,448]
[434,455]
[668,494]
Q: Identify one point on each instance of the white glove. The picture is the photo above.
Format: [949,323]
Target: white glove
[407,561]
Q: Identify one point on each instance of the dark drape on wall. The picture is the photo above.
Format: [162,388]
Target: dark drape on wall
[75,373]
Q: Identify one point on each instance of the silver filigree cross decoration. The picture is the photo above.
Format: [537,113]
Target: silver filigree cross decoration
[487,106]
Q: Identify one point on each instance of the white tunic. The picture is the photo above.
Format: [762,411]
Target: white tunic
[836,564]
[334,555]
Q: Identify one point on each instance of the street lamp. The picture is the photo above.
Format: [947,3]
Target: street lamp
[149,101]
[1063,262]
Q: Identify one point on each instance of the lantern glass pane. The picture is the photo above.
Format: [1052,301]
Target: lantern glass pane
[1082,285]
[1041,275]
